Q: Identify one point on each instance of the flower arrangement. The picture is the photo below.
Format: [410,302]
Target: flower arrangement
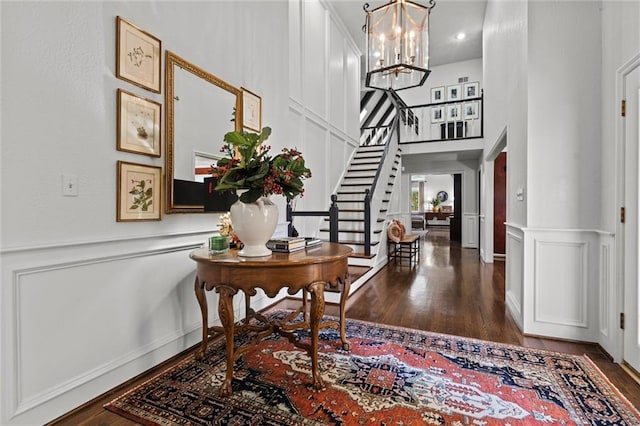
[250,166]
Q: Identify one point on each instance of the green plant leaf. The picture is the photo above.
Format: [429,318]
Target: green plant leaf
[251,196]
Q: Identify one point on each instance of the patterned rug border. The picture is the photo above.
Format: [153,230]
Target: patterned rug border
[584,358]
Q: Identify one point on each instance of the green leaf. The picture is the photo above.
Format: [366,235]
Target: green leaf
[236,139]
[251,196]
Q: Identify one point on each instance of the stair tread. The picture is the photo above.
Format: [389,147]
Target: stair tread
[360,256]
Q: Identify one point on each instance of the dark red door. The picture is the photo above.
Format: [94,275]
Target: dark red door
[499,203]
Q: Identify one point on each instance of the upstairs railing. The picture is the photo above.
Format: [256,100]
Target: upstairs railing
[370,136]
[444,121]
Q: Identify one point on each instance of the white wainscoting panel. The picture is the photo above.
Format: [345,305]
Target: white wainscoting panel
[609,333]
[82,319]
[514,274]
[561,286]
[561,283]
[314,67]
[336,62]
[470,230]
[325,111]
[483,231]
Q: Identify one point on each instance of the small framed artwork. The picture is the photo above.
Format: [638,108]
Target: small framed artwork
[453,92]
[138,124]
[454,112]
[470,110]
[471,90]
[138,56]
[251,110]
[437,114]
[139,192]
[437,95]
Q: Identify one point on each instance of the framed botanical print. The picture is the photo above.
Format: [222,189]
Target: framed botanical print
[453,92]
[471,90]
[454,112]
[470,110]
[139,192]
[251,110]
[139,126]
[138,56]
[437,95]
[437,114]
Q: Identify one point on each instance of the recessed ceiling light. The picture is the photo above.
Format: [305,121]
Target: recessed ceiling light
[460,36]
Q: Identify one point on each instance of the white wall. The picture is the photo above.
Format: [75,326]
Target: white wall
[546,90]
[504,50]
[504,47]
[564,105]
[324,101]
[443,76]
[87,302]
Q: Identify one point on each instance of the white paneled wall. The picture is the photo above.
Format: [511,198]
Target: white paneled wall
[562,284]
[87,302]
[514,274]
[324,100]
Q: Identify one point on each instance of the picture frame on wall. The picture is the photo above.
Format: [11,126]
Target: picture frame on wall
[139,124]
[138,56]
[437,114]
[139,192]
[454,112]
[471,90]
[437,95]
[251,110]
[453,92]
[470,110]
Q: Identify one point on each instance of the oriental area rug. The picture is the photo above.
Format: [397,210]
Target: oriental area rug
[391,376]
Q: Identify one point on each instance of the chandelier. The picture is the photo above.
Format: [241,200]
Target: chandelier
[397,44]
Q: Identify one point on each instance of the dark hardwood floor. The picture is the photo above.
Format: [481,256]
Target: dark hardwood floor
[449,291]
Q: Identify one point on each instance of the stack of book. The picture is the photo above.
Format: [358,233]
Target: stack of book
[286,244]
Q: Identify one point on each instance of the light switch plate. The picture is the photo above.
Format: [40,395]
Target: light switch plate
[69,185]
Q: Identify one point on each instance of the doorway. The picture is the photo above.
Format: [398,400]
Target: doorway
[500,205]
[630,91]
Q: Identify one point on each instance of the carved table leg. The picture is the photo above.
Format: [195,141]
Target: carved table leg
[202,301]
[317,311]
[344,294]
[247,307]
[304,304]
[225,312]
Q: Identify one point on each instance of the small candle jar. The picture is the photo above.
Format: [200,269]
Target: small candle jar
[218,244]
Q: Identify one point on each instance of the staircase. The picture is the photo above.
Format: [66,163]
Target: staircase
[364,194]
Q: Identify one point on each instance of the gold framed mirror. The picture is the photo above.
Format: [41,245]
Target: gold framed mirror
[200,108]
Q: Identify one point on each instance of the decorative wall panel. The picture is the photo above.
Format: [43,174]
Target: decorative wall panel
[514,274]
[561,283]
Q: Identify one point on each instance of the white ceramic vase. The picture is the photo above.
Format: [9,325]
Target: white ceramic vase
[254,224]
